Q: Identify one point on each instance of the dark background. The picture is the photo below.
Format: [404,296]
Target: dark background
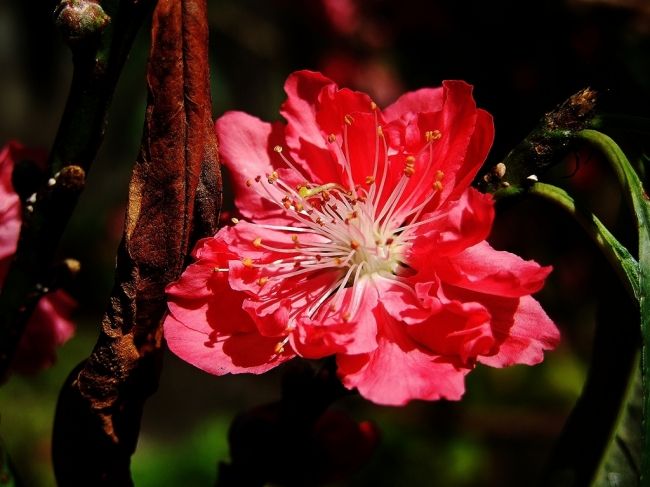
[523,59]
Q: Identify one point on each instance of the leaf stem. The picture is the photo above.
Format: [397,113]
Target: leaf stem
[625,265]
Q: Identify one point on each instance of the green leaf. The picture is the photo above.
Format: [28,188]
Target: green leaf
[618,256]
[639,203]
[622,461]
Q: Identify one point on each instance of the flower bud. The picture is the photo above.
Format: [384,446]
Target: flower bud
[80,19]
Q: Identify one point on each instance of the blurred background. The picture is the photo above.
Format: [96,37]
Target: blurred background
[523,59]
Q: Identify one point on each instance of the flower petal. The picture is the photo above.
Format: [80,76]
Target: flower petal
[332,332]
[522,329]
[220,355]
[245,145]
[482,269]
[398,371]
[413,102]
[47,329]
[458,225]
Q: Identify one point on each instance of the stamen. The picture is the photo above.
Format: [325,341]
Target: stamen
[431,135]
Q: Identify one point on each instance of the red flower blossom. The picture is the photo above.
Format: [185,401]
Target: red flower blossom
[362,240]
[50,325]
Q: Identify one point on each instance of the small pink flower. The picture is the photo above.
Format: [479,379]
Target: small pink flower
[50,325]
[362,239]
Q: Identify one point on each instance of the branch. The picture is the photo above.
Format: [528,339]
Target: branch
[174,199]
[100,36]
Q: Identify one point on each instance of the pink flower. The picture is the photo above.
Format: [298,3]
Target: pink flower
[362,239]
[50,325]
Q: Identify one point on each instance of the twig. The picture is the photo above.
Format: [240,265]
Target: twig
[100,36]
[174,199]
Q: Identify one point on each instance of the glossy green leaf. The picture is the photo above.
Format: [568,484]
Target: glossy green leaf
[628,445]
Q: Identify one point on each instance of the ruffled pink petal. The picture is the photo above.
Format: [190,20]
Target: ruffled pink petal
[413,102]
[522,329]
[304,137]
[363,148]
[300,109]
[220,355]
[10,218]
[10,222]
[456,123]
[479,146]
[456,226]
[48,328]
[334,332]
[246,145]
[339,108]
[398,371]
[482,269]
[402,301]
[271,316]
[459,329]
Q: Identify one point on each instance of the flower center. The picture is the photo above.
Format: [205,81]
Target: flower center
[352,231]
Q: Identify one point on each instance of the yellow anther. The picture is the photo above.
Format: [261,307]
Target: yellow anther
[257,242]
[337,260]
[370,179]
[354,245]
[325,195]
[278,148]
[262,280]
[279,348]
[247,261]
[249,183]
[297,205]
[215,269]
[273,177]
[437,186]
[430,135]
[373,105]
[348,119]
[409,170]
[440,175]
[235,220]
[380,131]
[331,138]
[346,316]
[410,160]
[294,239]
